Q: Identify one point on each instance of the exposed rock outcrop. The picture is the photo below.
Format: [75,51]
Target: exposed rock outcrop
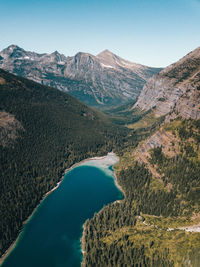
[175,90]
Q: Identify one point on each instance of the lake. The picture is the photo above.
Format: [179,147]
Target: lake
[51,238]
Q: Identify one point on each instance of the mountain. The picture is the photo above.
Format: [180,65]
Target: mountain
[101,80]
[43,131]
[175,90]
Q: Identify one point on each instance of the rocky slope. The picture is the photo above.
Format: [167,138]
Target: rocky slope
[175,90]
[105,79]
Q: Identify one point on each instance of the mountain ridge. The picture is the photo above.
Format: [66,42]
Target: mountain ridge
[106,79]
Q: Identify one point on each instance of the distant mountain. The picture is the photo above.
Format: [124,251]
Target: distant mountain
[175,90]
[42,132]
[101,80]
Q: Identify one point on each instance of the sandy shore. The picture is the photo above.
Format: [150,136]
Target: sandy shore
[101,162]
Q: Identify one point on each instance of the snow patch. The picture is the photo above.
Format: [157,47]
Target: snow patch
[107,66]
[26,58]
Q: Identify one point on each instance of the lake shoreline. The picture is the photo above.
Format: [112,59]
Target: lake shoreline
[14,243]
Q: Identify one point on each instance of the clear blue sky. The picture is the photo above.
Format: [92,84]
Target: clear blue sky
[150,32]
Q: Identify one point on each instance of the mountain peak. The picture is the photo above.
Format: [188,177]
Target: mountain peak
[83,54]
[105,52]
[105,79]
[55,53]
[12,47]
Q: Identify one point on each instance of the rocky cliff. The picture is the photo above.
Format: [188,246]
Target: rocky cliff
[175,90]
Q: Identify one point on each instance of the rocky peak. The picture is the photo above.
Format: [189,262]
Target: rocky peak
[84,56]
[110,60]
[12,51]
[13,47]
[107,59]
[84,60]
[105,53]
[82,64]
[55,57]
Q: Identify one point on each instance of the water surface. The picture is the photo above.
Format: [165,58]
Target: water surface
[51,238]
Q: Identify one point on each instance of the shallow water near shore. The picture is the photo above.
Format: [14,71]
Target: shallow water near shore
[52,236]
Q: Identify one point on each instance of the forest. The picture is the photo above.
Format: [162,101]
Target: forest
[134,232]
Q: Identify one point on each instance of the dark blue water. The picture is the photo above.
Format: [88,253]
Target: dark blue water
[52,237]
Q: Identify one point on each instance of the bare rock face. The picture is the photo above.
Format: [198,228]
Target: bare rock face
[175,90]
[105,79]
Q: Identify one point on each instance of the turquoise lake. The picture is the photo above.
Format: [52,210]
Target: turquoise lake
[51,238]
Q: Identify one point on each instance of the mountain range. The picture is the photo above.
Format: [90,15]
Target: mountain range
[102,80]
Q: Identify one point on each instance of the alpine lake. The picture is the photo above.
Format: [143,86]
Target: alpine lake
[51,237]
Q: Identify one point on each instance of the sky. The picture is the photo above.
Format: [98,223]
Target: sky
[150,32]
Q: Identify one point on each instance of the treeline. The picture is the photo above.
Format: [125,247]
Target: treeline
[58,131]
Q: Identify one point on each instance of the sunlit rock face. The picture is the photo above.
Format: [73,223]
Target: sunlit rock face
[175,90]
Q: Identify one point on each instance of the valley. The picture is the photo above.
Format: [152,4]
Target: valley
[156,135]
